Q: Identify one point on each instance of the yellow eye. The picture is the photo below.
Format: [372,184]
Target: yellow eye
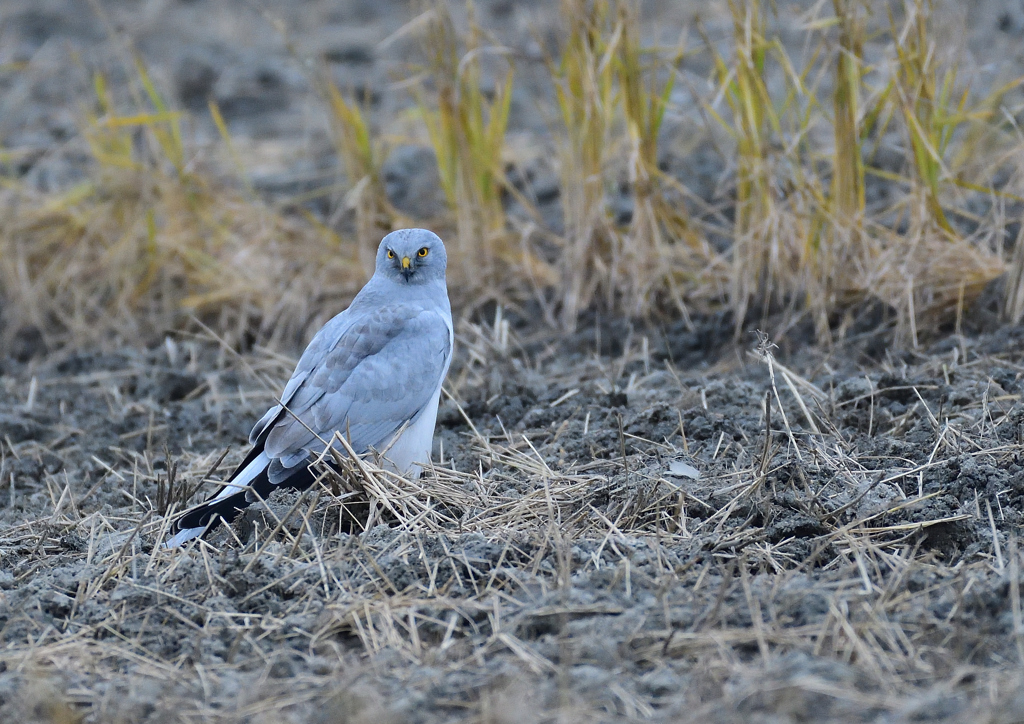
[391,254]
[423,252]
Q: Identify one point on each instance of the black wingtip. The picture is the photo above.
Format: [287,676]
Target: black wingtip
[207,515]
[201,516]
[229,507]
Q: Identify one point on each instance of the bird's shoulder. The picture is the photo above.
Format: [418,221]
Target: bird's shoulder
[356,335]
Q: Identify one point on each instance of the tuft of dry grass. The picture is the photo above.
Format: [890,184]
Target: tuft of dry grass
[362,155]
[583,78]
[799,246]
[151,239]
[466,119]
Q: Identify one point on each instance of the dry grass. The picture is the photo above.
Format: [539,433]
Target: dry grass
[154,236]
[508,574]
[152,239]
[467,122]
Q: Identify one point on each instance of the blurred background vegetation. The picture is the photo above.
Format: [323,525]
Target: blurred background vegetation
[855,173]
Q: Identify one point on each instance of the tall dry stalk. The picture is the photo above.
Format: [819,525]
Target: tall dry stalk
[362,156]
[755,251]
[923,102]
[839,243]
[930,268]
[659,233]
[467,123]
[847,193]
[584,89]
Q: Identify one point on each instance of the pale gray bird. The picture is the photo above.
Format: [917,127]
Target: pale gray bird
[373,373]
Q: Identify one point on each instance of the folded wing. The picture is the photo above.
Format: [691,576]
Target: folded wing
[377,375]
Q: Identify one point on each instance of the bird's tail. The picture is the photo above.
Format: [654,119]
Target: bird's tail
[249,477]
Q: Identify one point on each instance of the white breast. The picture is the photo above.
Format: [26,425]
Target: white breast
[412,449]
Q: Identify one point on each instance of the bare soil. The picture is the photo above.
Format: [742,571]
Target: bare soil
[559,563]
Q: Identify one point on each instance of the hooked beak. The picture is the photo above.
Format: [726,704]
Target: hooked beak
[407,269]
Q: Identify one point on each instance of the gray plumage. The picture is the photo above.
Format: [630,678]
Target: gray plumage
[374,367]
[372,373]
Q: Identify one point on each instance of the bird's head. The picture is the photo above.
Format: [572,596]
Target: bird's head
[412,256]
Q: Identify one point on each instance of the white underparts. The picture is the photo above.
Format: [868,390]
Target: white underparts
[412,449]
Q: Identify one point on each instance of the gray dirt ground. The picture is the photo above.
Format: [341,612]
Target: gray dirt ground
[868,577]
[853,557]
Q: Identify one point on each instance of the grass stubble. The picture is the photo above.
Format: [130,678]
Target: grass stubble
[471,586]
[154,237]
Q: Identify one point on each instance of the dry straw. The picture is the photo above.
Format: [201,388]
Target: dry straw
[476,566]
[152,236]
